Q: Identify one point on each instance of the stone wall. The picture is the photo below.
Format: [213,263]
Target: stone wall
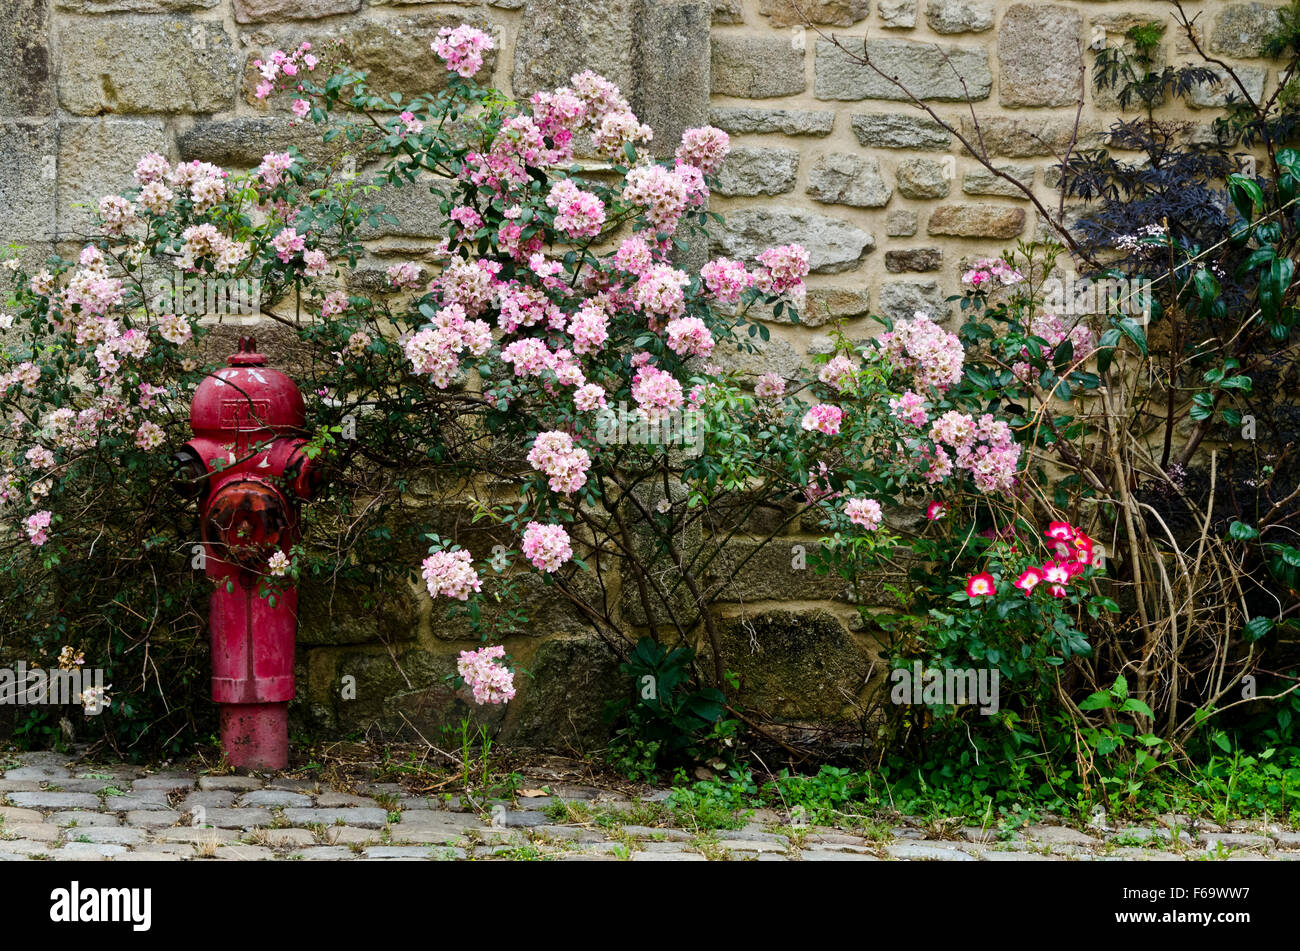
[826,153]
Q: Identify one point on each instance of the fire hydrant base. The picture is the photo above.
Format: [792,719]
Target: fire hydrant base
[256,735]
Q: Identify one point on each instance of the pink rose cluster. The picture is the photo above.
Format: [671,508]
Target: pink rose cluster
[824,418]
[435,350]
[984,448]
[1050,328]
[281,69]
[657,393]
[450,574]
[462,49]
[865,513]
[566,465]
[985,271]
[578,213]
[36,526]
[546,547]
[932,355]
[909,408]
[489,681]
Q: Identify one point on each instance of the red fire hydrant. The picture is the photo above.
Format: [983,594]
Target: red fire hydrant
[247,467]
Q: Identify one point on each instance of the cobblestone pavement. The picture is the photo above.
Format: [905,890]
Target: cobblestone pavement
[122,814]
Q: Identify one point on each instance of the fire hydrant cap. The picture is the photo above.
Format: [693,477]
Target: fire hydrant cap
[247,355]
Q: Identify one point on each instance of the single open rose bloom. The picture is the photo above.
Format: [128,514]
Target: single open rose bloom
[980,585]
[1029,579]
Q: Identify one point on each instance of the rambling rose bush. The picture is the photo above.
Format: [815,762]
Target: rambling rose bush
[506,369]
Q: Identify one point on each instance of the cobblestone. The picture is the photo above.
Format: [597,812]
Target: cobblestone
[360,817]
[250,818]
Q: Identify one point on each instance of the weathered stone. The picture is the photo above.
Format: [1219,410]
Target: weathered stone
[674,856]
[822,12]
[1022,138]
[977,221]
[752,67]
[825,304]
[329,616]
[108,835]
[757,357]
[900,132]
[742,119]
[272,798]
[1242,29]
[101,74]
[423,835]
[980,181]
[915,852]
[197,836]
[562,39]
[1108,98]
[28,176]
[234,818]
[86,852]
[19,785]
[170,780]
[435,819]
[40,773]
[671,76]
[746,571]
[846,179]
[833,245]
[229,782]
[924,178]
[134,6]
[395,53]
[241,852]
[1059,835]
[213,799]
[11,816]
[325,853]
[27,89]
[901,223]
[897,14]
[241,142]
[544,713]
[1040,55]
[33,831]
[1217,95]
[794,665]
[361,818]
[913,259]
[333,799]
[947,74]
[751,170]
[152,818]
[899,300]
[55,800]
[79,817]
[287,838]
[259,11]
[728,12]
[410,685]
[1237,840]
[959,16]
[85,785]
[145,799]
